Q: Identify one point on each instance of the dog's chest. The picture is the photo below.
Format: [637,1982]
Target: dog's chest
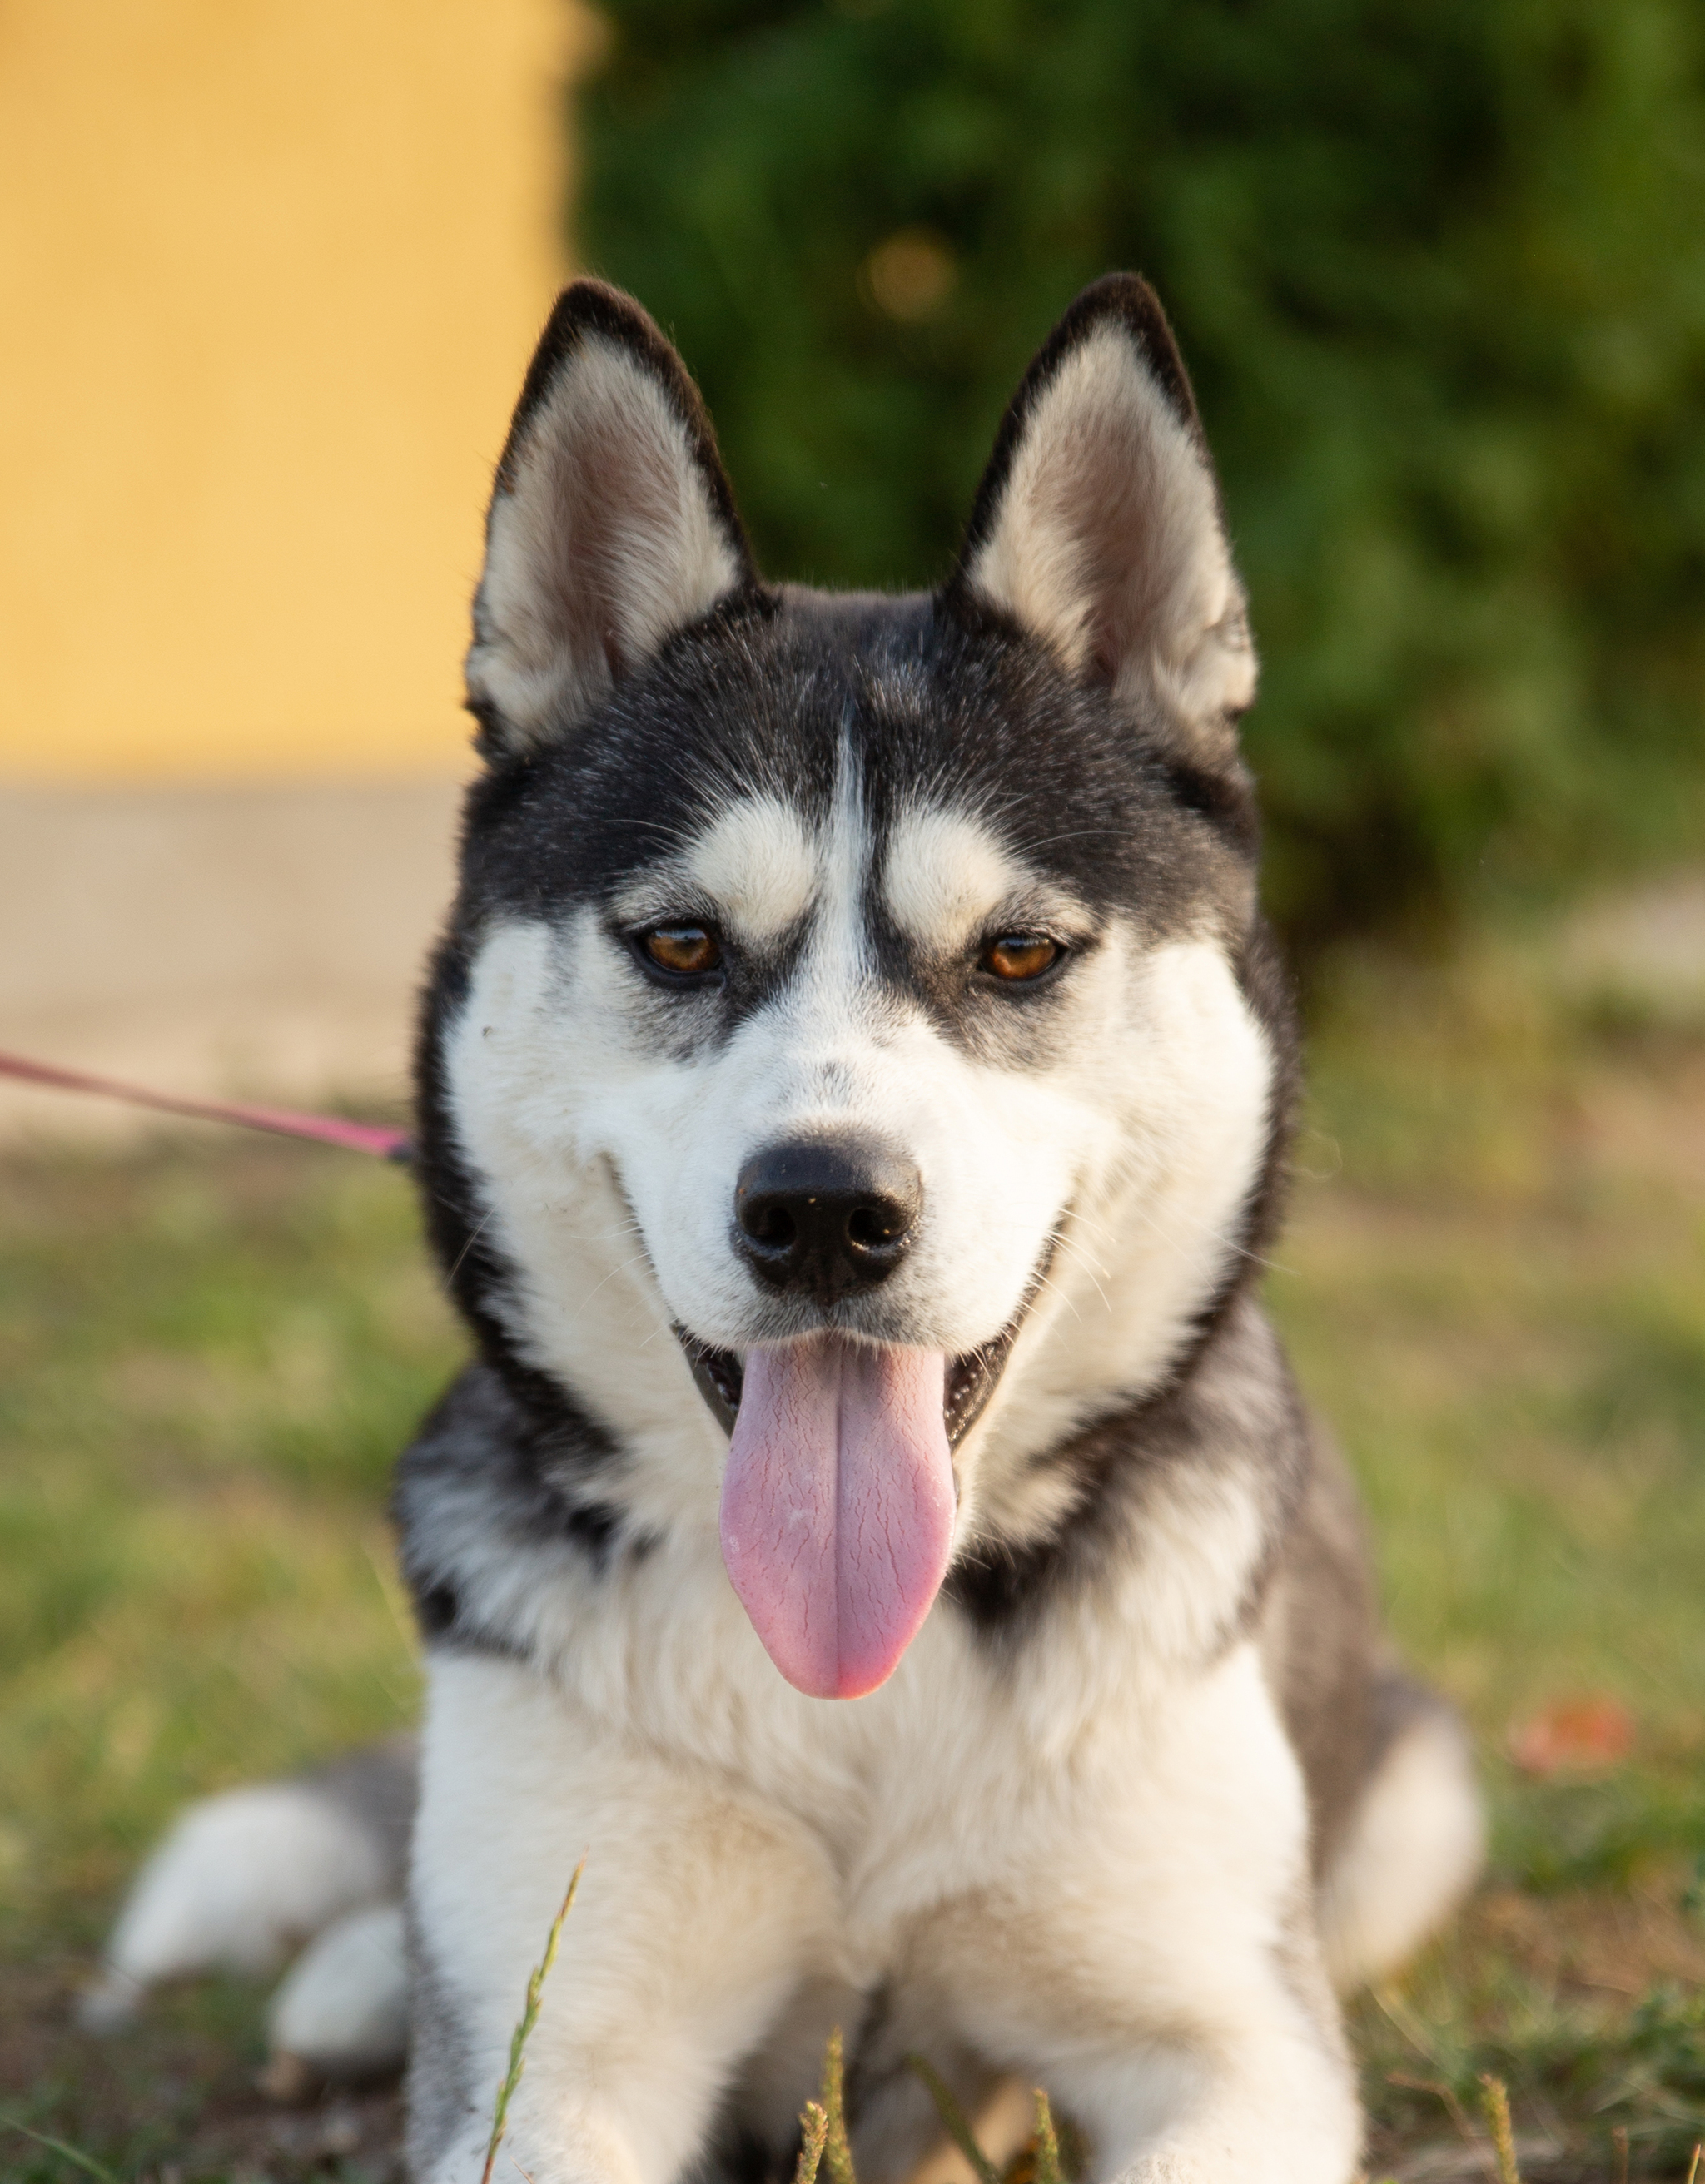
[976,1770]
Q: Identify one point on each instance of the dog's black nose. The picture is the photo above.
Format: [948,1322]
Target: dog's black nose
[827,1216]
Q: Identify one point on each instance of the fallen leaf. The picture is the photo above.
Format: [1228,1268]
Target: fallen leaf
[1573,1736]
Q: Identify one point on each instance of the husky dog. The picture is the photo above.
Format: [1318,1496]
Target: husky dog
[879,1529]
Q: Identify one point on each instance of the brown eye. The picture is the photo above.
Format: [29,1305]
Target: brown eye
[686,950]
[1020,956]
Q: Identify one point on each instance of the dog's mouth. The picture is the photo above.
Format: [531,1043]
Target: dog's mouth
[839,1495]
[971,1379]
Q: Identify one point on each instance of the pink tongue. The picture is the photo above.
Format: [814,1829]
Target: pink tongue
[837,1506]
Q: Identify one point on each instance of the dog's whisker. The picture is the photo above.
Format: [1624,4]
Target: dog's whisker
[1094,1283]
[1066,1244]
[1047,1282]
[473,1238]
[639,1259]
[1209,1232]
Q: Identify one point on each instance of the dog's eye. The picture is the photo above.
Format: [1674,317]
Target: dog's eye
[685,952]
[1016,956]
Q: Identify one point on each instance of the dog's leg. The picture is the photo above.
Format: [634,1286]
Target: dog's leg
[244,1875]
[1256,2091]
[1155,1967]
[698,1913]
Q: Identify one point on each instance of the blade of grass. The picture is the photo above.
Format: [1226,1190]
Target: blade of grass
[1049,2169]
[75,2154]
[523,2031]
[836,2152]
[814,2130]
[953,2121]
[1497,2097]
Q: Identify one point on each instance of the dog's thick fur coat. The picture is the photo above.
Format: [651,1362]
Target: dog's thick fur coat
[938,912]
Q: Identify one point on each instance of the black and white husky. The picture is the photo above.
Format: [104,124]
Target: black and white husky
[880,1527]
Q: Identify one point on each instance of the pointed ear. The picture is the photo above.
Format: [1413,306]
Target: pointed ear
[611,524]
[1098,525]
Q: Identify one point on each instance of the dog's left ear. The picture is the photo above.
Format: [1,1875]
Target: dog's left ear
[611,524]
[1098,525]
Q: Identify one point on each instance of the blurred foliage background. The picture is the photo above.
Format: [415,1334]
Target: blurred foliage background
[1438,268]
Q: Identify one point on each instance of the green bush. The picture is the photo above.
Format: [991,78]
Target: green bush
[1438,267]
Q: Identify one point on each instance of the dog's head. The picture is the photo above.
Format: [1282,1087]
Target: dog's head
[854,1005]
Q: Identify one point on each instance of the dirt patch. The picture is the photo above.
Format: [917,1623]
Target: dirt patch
[1584,1943]
[174,2097]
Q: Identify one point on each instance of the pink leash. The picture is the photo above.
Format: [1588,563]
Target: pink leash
[327,1129]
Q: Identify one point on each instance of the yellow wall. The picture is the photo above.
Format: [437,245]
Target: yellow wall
[270,271]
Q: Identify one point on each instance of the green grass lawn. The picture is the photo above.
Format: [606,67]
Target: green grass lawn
[1493,1286]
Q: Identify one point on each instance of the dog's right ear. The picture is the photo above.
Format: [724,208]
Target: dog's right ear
[1098,526]
[611,524]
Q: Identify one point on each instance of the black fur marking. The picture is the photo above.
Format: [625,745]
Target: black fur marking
[479,1278]
[1205,1419]
[436,1609]
[525,1474]
[1266,986]
[1222,799]
[474,1273]
[734,2153]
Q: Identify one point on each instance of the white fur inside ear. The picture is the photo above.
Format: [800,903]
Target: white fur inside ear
[1107,541]
[603,541]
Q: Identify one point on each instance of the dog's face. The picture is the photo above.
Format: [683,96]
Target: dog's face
[848,1004]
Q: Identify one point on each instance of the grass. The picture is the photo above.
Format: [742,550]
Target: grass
[1492,1284]
[208,1354]
[524,2026]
